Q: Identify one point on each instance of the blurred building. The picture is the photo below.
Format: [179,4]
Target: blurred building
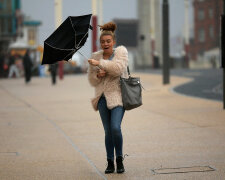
[127,32]
[28,38]
[142,37]
[10,21]
[149,34]
[17,32]
[127,35]
[206,41]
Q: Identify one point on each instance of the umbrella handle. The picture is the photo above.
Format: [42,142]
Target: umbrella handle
[82,54]
[86,58]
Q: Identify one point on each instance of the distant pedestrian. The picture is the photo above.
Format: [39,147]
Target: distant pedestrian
[53,68]
[2,63]
[27,65]
[12,67]
[213,61]
[106,67]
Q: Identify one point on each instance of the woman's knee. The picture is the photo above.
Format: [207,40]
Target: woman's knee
[116,130]
[107,130]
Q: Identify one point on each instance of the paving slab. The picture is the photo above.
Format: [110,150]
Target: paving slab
[52,132]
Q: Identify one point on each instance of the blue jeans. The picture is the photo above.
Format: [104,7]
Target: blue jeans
[111,120]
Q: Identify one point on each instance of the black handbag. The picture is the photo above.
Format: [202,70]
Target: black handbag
[131,91]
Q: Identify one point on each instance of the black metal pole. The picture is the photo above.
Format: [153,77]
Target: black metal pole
[222,50]
[223,88]
[165,34]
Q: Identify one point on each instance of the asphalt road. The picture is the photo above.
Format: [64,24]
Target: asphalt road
[207,83]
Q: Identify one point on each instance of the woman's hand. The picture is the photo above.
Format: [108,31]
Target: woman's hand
[101,73]
[93,62]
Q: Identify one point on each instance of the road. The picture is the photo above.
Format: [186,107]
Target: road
[206,83]
[52,132]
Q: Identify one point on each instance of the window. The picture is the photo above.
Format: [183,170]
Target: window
[201,35]
[31,36]
[1,5]
[17,4]
[211,31]
[10,25]
[1,26]
[8,7]
[210,13]
[201,14]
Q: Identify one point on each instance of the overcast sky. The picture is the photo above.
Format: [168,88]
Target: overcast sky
[43,10]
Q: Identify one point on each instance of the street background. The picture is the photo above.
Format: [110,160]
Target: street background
[52,132]
[206,83]
[48,129]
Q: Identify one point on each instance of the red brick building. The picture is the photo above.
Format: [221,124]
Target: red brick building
[206,26]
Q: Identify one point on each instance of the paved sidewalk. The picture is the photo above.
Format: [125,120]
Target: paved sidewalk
[51,132]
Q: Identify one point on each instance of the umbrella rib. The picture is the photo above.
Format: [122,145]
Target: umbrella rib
[73,29]
[69,54]
[59,48]
[82,54]
[86,57]
[75,39]
[81,40]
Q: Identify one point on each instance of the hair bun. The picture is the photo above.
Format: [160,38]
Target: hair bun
[110,26]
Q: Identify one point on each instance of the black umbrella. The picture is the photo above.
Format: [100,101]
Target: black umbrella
[69,37]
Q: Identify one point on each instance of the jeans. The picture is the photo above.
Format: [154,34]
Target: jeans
[111,120]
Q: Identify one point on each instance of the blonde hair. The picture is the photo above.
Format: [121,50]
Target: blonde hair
[108,29]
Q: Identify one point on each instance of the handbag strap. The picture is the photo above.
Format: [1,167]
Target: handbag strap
[128,71]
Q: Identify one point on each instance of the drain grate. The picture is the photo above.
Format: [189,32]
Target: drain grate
[183,170]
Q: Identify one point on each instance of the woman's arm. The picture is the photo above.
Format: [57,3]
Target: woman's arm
[93,75]
[118,65]
[93,72]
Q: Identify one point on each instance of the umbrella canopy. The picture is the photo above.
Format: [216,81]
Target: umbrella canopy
[70,36]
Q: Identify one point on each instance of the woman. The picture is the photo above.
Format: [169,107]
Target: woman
[106,67]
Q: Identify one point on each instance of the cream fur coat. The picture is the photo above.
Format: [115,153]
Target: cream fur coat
[109,85]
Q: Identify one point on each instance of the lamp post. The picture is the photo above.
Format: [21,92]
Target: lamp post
[58,21]
[165,46]
[94,25]
[223,49]
[186,33]
[152,30]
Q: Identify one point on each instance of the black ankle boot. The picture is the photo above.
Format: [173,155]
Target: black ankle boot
[119,163]
[110,168]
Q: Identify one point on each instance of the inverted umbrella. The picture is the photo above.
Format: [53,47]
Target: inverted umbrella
[68,38]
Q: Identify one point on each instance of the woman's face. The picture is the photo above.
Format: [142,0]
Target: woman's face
[107,43]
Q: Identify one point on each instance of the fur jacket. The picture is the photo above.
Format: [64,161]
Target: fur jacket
[109,85]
